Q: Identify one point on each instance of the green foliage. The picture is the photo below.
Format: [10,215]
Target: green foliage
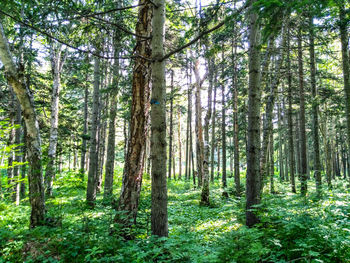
[292,228]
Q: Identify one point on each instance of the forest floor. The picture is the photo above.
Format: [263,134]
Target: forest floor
[292,228]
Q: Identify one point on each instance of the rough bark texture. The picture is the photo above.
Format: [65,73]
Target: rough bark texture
[303,155]
[136,146]
[57,61]
[315,126]
[93,156]
[36,182]
[159,213]
[253,144]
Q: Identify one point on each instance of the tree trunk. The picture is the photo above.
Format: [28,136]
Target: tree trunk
[290,118]
[280,150]
[140,107]
[213,123]
[171,125]
[199,127]
[179,142]
[10,142]
[254,98]
[223,126]
[108,186]
[36,184]
[24,166]
[346,67]
[18,155]
[315,127]
[303,155]
[85,134]
[93,155]
[159,213]
[271,164]
[205,186]
[57,61]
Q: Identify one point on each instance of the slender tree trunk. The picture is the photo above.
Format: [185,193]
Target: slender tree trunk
[93,156]
[24,166]
[235,127]
[57,61]
[199,126]
[303,155]
[108,186]
[213,124]
[171,125]
[159,213]
[344,39]
[140,107]
[271,164]
[85,133]
[290,118]
[179,142]
[205,186]
[280,150]
[315,125]
[223,126]
[254,98]
[10,142]
[36,184]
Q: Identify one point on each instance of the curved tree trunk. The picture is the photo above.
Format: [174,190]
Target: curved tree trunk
[36,183]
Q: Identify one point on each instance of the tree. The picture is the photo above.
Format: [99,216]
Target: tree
[159,212]
[253,147]
[36,184]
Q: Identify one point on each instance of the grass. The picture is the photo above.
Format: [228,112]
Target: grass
[292,228]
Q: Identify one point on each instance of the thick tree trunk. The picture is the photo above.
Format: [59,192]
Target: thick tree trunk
[140,107]
[171,125]
[303,155]
[315,127]
[57,61]
[36,183]
[159,213]
[93,155]
[254,98]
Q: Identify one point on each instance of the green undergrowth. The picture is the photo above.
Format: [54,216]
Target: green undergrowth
[292,228]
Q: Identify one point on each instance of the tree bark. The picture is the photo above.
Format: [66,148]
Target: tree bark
[290,118]
[213,124]
[159,212]
[223,126]
[36,184]
[303,155]
[57,61]
[254,98]
[108,186]
[344,39]
[179,142]
[140,107]
[171,125]
[93,155]
[85,133]
[315,126]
